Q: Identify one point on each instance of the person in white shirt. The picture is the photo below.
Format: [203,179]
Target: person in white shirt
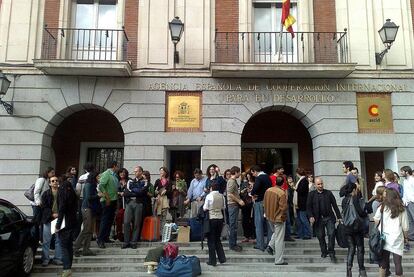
[215,204]
[408,197]
[379,182]
[395,226]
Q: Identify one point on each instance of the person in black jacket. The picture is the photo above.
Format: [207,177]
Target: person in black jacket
[49,213]
[354,232]
[135,195]
[67,200]
[302,190]
[319,208]
[261,183]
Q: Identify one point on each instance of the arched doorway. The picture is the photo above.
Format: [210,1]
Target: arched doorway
[88,135]
[272,137]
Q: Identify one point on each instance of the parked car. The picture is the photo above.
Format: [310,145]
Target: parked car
[17,244]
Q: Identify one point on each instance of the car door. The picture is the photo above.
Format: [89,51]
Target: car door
[10,236]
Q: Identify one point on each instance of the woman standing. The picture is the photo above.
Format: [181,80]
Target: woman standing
[72,173]
[90,208]
[379,182]
[354,233]
[247,210]
[49,213]
[179,194]
[213,174]
[214,204]
[163,192]
[41,185]
[67,200]
[389,177]
[395,228]
[119,218]
[311,182]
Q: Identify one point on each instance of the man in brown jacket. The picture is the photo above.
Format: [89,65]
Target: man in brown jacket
[275,207]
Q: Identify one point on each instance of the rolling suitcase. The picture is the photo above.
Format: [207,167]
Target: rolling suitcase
[151,229]
[196,229]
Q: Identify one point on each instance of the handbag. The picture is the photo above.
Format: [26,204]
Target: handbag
[182,266]
[341,236]
[29,193]
[351,218]
[377,239]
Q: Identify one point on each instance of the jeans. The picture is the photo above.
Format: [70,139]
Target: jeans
[47,238]
[133,215]
[259,222]
[233,220]
[304,226]
[214,242]
[355,240]
[319,228]
[107,218]
[248,221]
[288,231]
[85,236]
[410,214]
[66,239]
[277,242]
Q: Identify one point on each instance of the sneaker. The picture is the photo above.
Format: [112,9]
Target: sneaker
[270,250]
[236,248]
[45,263]
[57,262]
[66,273]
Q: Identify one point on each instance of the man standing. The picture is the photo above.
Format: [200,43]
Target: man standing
[319,208]
[234,201]
[135,193]
[302,190]
[108,191]
[261,183]
[195,192]
[347,167]
[408,199]
[275,207]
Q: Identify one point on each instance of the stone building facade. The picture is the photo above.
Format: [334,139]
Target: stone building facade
[307,112]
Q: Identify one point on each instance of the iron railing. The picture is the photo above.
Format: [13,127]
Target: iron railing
[84,44]
[263,47]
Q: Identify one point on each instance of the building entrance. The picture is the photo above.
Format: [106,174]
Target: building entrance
[271,138]
[185,161]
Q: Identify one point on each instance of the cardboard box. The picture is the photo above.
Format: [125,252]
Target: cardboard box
[183,234]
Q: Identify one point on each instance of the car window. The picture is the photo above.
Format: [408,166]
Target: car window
[8,215]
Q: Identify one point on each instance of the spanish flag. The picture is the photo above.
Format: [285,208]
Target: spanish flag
[287,19]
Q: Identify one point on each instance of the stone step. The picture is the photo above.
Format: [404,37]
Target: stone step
[335,269]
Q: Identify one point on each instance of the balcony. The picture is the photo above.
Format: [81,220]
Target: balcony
[278,55]
[90,52]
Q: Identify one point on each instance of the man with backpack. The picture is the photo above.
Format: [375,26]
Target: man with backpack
[319,208]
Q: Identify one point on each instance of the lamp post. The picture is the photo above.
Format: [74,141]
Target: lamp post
[4,86]
[176,30]
[387,33]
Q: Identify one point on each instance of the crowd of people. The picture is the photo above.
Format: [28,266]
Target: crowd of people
[273,208]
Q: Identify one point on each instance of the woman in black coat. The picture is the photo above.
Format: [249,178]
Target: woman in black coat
[355,232]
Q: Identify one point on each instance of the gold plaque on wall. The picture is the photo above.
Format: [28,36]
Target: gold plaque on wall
[183,112]
[374,113]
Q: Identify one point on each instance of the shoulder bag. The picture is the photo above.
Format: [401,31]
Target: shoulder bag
[377,239]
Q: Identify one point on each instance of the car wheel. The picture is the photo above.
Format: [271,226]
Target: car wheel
[27,261]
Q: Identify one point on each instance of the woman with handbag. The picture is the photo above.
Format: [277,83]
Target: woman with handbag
[163,192]
[394,225]
[354,232]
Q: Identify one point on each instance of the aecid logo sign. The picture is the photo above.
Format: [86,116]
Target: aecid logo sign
[373,110]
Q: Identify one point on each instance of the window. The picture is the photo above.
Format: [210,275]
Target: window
[8,215]
[94,37]
[266,28]
[102,156]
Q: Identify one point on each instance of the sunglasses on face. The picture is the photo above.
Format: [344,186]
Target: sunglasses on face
[53,181]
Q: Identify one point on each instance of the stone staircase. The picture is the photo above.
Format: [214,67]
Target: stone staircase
[303,258]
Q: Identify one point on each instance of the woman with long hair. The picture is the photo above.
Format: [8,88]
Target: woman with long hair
[72,173]
[389,177]
[395,228]
[179,194]
[355,232]
[246,187]
[213,174]
[123,177]
[90,208]
[163,192]
[379,182]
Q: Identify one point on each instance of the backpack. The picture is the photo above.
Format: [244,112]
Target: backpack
[351,218]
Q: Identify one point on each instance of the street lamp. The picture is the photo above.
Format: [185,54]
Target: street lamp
[388,32]
[4,86]
[176,30]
